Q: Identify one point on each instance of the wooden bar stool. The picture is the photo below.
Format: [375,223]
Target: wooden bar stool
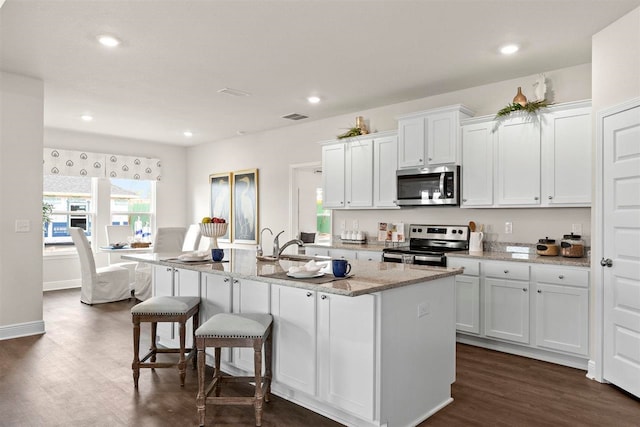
[235,330]
[164,309]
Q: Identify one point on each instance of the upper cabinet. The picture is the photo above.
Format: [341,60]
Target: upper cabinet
[431,137]
[543,161]
[360,172]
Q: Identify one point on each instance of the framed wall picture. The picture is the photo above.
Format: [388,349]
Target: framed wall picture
[245,206]
[221,195]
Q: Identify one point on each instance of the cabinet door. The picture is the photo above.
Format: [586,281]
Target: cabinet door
[186,283]
[163,286]
[518,147]
[346,366]
[216,298]
[369,256]
[249,296]
[333,175]
[442,138]
[359,174]
[411,142]
[385,156]
[315,251]
[477,165]
[506,309]
[468,304]
[562,318]
[294,315]
[566,163]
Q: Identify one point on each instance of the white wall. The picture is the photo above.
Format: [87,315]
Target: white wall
[21,118]
[171,198]
[273,151]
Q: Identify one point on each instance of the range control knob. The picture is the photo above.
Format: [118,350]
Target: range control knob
[454,231]
[460,231]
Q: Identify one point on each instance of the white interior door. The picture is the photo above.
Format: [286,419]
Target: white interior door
[621,248]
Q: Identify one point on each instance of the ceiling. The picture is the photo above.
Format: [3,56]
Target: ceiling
[176,55]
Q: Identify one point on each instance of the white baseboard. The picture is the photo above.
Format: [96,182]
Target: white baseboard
[61,284]
[22,330]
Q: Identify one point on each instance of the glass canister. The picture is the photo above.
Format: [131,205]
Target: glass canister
[572,246]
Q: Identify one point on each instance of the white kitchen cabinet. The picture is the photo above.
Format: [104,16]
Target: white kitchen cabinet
[566,155]
[346,366]
[562,309]
[249,296]
[186,283]
[316,251]
[385,157]
[506,301]
[467,295]
[369,256]
[216,297]
[359,173]
[430,138]
[518,149]
[333,175]
[478,164]
[163,286]
[294,312]
[343,254]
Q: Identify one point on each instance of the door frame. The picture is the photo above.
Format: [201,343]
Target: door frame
[293,194]
[595,368]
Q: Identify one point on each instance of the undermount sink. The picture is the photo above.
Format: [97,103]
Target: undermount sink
[288,257]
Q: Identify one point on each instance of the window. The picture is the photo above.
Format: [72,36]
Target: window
[71,201]
[131,203]
[323,219]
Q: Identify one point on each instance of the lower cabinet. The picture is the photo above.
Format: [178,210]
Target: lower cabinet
[562,309]
[249,296]
[216,297]
[369,256]
[542,309]
[325,346]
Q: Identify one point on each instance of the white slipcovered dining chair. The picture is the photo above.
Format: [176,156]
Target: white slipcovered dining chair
[192,238]
[99,285]
[168,240]
[121,234]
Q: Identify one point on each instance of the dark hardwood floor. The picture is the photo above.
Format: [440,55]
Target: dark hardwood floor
[79,374]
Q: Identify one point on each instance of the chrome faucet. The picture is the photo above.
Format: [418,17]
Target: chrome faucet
[259,251]
[276,245]
[289,243]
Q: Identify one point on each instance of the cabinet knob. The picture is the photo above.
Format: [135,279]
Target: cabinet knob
[550,197]
[464,200]
[323,297]
[536,198]
[225,280]
[349,201]
[420,160]
[342,203]
[309,294]
[561,277]
[236,281]
[430,159]
[539,291]
[169,268]
[506,272]
[524,289]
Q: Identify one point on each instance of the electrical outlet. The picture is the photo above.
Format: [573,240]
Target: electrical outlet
[355,224]
[576,229]
[423,309]
[23,226]
[508,227]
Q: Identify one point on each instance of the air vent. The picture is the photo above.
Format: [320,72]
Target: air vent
[295,116]
[233,92]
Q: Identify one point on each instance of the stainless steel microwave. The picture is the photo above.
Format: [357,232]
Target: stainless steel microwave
[429,186]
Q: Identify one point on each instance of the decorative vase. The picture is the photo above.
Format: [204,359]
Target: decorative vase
[520,98]
[360,124]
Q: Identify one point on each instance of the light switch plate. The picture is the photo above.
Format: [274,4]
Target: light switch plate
[23,226]
[508,227]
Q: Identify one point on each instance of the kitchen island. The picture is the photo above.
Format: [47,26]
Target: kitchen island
[374,349]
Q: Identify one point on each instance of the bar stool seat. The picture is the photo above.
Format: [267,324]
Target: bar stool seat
[164,309]
[235,330]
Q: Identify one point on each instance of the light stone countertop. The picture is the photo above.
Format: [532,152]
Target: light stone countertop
[368,276]
[507,252]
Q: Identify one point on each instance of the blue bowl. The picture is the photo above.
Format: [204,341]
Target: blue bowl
[217,255]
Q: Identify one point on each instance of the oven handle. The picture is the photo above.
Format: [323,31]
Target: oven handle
[428,258]
[442,176]
[392,256]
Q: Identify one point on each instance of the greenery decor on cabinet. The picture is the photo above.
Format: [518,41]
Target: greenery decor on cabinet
[529,107]
[359,129]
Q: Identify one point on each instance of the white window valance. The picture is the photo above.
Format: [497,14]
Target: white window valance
[101,165]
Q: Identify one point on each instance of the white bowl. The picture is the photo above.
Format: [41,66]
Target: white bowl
[214,229]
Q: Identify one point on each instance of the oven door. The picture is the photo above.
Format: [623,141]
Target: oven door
[395,257]
[438,260]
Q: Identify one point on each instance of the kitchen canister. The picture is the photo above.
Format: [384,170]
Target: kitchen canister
[475,241]
[547,247]
[572,246]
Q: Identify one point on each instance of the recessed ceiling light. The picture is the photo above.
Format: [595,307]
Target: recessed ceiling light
[313,99]
[107,40]
[86,117]
[187,133]
[509,49]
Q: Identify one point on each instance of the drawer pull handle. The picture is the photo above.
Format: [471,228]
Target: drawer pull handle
[561,277]
[309,294]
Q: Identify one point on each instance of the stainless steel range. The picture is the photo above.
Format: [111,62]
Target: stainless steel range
[429,244]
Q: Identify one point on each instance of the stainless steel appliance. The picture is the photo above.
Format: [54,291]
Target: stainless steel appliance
[429,186]
[429,244]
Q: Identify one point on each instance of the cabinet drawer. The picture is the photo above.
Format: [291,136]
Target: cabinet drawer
[506,270]
[471,267]
[562,276]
